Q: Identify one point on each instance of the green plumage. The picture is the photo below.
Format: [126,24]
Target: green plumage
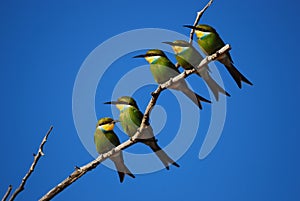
[210,42]
[107,140]
[188,58]
[163,70]
[131,118]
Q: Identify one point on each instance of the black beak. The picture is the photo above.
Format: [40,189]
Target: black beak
[116,121]
[111,102]
[140,56]
[190,26]
[116,102]
[169,43]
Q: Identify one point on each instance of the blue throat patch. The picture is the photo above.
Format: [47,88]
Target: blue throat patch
[104,131]
[155,60]
[204,36]
[125,107]
[184,50]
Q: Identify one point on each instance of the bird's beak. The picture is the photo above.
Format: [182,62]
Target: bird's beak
[116,102]
[116,121]
[190,26]
[140,56]
[111,102]
[169,43]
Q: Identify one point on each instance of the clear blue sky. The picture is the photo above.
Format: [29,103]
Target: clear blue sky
[43,45]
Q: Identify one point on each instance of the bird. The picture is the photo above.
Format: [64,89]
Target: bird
[163,70]
[188,58]
[105,139]
[131,119]
[210,42]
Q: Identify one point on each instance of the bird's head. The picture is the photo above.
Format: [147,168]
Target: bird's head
[152,56]
[179,46]
[123,102]
[202,30]
[106,124]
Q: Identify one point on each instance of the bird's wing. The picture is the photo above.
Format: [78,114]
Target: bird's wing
[113,138]
[221,44]
[136,116]
[173,67]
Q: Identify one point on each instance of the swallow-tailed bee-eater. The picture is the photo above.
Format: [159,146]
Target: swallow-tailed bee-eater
[188,58]
[163,69]
[131,119]
[210,42]
[105,139]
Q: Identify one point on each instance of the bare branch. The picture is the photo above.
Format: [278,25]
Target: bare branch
[205,61]
[199,15]
[179,77]
[7,193]
[80,171]
[31,169]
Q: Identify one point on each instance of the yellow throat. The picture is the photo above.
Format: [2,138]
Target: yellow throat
[120,106]
[108,127]
[201,34]
[152,59]
[178,49]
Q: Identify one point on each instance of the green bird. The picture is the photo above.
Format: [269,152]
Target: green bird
[163,69]
[105,139]
[131,119]
[210,42]
[188,57]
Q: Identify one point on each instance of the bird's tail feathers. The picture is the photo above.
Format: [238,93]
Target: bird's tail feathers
[165,159]
[214,86]
[236,74]
[122,170]
[195,97]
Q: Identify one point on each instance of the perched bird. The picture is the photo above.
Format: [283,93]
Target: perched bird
[105,139]
[131,119]
[188,57]
[163,69]
[210,42]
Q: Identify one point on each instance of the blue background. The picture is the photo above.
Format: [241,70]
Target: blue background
[43,44]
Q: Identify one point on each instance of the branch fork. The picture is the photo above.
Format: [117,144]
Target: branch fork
[80,171]
[93,164]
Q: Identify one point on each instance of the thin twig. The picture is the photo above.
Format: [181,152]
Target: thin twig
[7,193]
[199,15]
[31,169]
[80,171]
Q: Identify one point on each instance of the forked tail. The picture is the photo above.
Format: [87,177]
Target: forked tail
[214,86]
[122,169]
[236,74]
[195,97]
[165,159]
